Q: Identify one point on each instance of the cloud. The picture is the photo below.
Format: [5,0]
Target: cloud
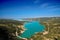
[54,9]
[48,6]
[44,5]
[36,1]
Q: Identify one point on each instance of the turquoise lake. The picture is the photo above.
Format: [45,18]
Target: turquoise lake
[32,28]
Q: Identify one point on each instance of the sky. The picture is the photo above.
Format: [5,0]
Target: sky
[15,9]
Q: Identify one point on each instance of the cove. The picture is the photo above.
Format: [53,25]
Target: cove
[32,27]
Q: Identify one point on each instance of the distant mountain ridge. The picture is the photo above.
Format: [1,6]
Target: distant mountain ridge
[42,18]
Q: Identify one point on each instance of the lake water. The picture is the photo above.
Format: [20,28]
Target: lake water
[32,28]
